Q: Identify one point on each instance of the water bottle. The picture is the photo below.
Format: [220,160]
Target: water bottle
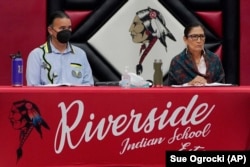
[17,70]
[158,77]
[125,82]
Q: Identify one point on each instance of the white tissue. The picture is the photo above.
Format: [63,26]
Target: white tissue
[136,81]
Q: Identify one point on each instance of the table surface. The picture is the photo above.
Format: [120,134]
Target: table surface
[40,89]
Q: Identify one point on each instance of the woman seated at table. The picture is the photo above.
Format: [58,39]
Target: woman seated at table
[195,65]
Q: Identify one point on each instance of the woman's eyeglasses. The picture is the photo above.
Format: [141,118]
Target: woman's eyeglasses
[195,37]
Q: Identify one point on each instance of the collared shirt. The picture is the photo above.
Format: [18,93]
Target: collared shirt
[46,65]
[182,69]
[201,66]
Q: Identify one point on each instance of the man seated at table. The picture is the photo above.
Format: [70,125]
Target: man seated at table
[58,61]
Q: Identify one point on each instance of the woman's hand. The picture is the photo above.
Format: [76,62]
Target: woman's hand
[198,81]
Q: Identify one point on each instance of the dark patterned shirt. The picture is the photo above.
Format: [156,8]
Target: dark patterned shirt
[183,69]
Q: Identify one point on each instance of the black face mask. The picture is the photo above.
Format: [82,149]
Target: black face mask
[63,36]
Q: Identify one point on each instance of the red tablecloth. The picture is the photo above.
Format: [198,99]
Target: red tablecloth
[112,126]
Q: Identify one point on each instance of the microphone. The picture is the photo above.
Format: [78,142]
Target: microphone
[107,83]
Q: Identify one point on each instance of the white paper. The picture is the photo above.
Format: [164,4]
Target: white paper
[206,85]
[62,84]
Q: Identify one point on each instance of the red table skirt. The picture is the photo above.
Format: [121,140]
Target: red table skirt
[112,126]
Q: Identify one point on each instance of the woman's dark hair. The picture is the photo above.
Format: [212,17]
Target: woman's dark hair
[57,14]
[190,27]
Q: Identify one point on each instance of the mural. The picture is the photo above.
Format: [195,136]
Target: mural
[161,38]
[148,26]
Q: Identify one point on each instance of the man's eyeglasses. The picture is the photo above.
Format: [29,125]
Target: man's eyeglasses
[195,37]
